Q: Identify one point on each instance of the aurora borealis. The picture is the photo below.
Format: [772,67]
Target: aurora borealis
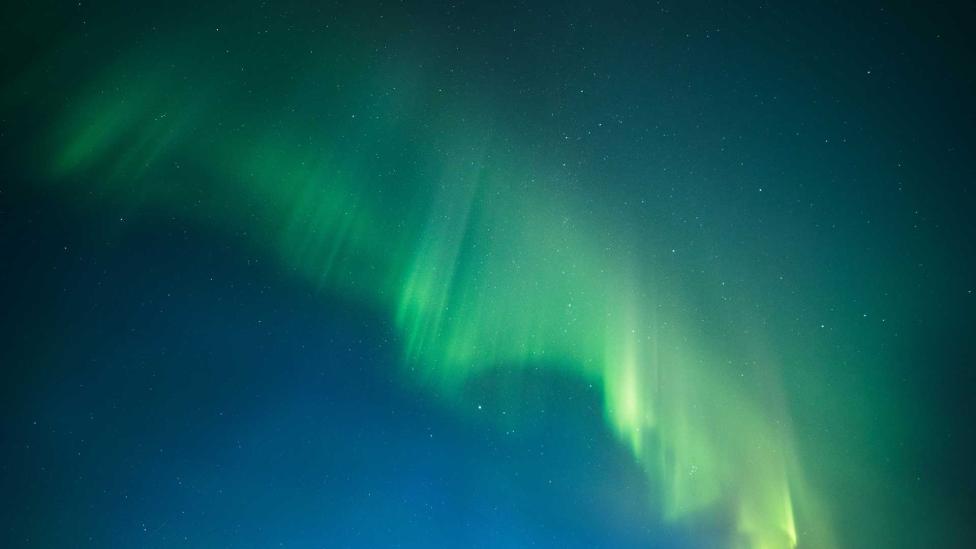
[428,275]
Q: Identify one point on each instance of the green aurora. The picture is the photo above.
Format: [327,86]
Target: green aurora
[493,274]
[479,236]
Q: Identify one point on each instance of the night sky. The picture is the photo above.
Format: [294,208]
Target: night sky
[487,274]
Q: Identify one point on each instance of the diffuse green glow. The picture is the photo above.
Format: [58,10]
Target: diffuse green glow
[479,268]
